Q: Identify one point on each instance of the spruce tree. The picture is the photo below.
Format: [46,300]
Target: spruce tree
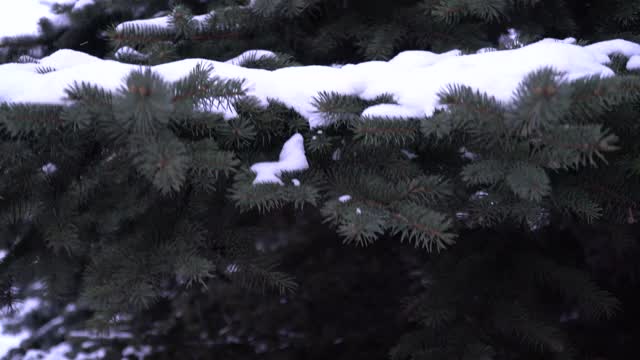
[484,231]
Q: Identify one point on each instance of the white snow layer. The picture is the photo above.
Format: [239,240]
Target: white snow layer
[292,158]
[413,77]
[61,352]
[21,17]
[633,63]
[9,341]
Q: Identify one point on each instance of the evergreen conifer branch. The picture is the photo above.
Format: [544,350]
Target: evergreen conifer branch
[156,211]
[422,227]
[208,160]
[144,102]
[378,131]
[164,161]
[22,120]
[571,147]
[514,320]
[236,133]
[64,237]
[382,41]
[426,189]
[484,172]
[92,95]
[370,211]
[528,182]
[182,22]
[253,61]
[453,11]
[594,302]
[270,196]
[339,108]
[540,102]
[260,275]
[134,35]
[578,202]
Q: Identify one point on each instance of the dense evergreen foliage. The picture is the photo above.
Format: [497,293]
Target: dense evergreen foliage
[523,246]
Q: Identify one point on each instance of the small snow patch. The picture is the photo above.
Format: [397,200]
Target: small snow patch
[633,63]
[127,51]
[292,158]
[81,4]
[295,182]
[409,154]
[344,198]
[140,352]
[466,154]
[249,54]
[392,111]
[49,168]
[480,194]
[337,155]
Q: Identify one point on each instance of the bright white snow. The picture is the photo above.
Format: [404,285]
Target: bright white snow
[21,17]
[292,158]
[419,58]
[633,63]
[80,4]
[127,51]
[344,198]
[250,54]
[10,341]
[611,47]
[49,168]
[61,352]
[414,78]
[388,111]
[140,352]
